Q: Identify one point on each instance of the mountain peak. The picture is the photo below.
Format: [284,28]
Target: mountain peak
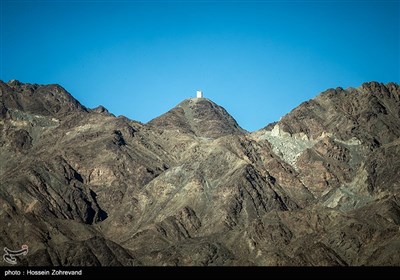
[199,116]
[369,113]
[46,100]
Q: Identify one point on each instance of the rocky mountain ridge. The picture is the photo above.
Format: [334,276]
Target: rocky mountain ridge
[80,186]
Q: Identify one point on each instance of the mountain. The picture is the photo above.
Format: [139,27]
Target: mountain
[200,117]
[80,186]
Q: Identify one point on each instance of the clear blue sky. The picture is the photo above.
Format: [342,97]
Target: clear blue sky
[258,59]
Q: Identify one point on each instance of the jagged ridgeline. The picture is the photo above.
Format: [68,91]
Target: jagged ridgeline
[80,186]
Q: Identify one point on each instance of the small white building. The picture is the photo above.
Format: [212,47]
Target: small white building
[199,94]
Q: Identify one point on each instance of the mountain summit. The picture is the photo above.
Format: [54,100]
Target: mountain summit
[198,116]
[44,100]
[80,186]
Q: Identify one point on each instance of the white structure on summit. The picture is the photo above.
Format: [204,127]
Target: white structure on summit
[199,94]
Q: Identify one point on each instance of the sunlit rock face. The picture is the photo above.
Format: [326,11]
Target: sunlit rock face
[80,186]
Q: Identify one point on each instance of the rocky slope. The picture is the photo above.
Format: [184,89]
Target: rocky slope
[80,186]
